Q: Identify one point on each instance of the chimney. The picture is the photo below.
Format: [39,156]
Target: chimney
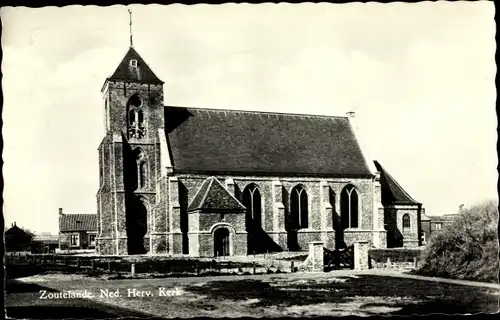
[60,211]
[351,114]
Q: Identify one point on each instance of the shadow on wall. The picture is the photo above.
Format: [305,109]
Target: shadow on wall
[292,240]
[135,208]
[183,202]
[261,242]
[394,236]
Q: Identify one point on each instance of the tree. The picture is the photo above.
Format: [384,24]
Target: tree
[467,248]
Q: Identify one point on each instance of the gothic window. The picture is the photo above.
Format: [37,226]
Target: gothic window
[406,222]
[349,207]
[299,207]
[136,125]
[252,201]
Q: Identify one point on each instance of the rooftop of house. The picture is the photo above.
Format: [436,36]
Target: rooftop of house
[77,222]
[45,237]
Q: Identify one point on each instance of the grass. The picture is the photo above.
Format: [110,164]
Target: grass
[333,294]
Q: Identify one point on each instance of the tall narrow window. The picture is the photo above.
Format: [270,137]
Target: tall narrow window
[349,207]
[406,222]
[106,116]
[252,201]
[142,174]
[299,207]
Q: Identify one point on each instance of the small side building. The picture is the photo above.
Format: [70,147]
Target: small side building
[402,213]
[77,231]
[17,239]
[44,242]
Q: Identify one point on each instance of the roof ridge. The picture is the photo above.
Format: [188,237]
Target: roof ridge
[196,194]
[262,112]
[206,192]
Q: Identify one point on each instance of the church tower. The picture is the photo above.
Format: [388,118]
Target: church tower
[129,156]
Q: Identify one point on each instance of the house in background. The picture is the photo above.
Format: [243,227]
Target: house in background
[434,224]
[77,231]
[44,242]
[425,229]
[17,239]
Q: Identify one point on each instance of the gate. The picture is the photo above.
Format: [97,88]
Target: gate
[342,258]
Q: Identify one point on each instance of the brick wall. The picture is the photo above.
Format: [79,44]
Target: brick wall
[114,161]
[322,207]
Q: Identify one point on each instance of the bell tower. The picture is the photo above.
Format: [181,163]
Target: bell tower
[129,156]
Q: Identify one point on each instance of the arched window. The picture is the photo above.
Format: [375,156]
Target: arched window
[136,127]
[142,174]
[349,207]
[406,222]
[299,207]
[252,201]
[141,161]
[106,116]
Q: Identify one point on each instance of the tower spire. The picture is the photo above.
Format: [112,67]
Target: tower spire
[130,27]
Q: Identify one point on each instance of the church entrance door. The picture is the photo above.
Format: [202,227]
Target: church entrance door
[221,242]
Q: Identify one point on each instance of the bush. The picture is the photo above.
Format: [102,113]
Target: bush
[467,248]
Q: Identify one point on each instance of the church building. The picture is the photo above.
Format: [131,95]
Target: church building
[206,182]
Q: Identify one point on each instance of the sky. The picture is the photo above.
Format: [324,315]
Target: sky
[420,77]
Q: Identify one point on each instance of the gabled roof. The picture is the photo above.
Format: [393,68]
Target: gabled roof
[78,222]
[15,231]
[141,73]
[213,196]
[392,192]
[210,140]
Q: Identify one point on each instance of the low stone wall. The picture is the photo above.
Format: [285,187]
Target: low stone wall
[395,258]
[393,265]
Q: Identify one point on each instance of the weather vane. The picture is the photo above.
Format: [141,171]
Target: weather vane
[130,26]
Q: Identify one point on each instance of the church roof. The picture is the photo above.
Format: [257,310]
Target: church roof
[392,192]
[213,196]
[141,73]
[78,222]
[230,141]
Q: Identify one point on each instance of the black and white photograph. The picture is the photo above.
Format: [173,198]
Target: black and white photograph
[250,160]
